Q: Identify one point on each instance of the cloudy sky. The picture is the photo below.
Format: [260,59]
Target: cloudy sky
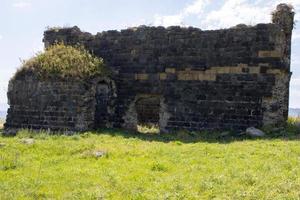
[22,23]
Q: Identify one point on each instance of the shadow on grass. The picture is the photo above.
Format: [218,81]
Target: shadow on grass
[290,131]
[205,136]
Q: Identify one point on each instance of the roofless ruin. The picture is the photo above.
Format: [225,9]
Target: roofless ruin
[175,77]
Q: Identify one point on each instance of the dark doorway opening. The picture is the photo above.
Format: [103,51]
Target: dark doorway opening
[102,100]
[148,109]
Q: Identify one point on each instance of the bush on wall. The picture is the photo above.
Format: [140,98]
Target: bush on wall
[61,61]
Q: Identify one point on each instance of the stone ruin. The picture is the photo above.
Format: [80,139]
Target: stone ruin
[176,78]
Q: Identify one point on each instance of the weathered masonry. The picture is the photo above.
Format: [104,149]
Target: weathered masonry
[175,77]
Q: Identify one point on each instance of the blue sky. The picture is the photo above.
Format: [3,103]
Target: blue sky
[22,23]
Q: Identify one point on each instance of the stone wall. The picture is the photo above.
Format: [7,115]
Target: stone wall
[51,104]
[221,79]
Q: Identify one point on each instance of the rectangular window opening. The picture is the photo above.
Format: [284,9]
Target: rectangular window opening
[148,108]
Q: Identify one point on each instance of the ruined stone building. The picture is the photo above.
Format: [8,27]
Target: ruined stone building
[175,77]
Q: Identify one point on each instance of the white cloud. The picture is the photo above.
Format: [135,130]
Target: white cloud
[21,4]
[168,20]
[196,7]
[1,37]
[230,13]
[234,12]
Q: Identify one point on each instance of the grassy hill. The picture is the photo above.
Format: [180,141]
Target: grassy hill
[138,166]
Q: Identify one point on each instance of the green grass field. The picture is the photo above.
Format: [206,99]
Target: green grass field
[139,166]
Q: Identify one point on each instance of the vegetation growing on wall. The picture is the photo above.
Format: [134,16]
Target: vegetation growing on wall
[64,61]
[284,16]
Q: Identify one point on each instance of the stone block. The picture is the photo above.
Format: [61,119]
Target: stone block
[163,76]
[141,77]
[269,54]
[170,70]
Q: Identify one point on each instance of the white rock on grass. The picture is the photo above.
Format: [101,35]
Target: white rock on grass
[254,132]
[27,141]
[99,154]
[2,145]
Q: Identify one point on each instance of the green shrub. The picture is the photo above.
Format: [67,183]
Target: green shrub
[64,61]
[293,125]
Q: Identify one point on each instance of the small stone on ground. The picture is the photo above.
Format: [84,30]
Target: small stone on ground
[99,154]
[27,141]
[254,132]
[224,134]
